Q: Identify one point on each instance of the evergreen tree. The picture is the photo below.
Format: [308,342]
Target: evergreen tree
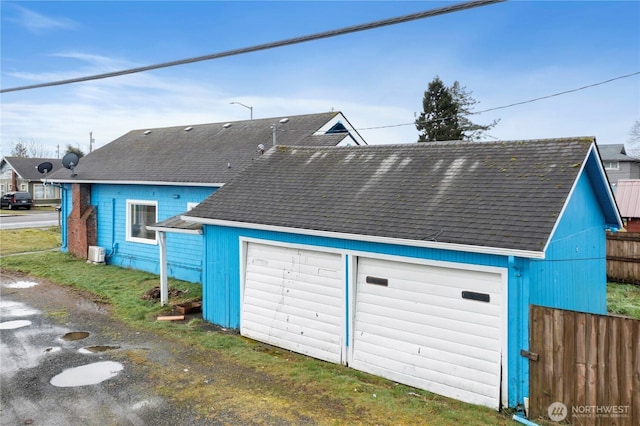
[444,115]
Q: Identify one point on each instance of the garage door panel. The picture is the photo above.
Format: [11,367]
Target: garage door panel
[447,308]
[429,325]
[288,295]
[413,325]
[311,276]
[432,276]
[267,311]
[293,298]
[423,352]
[444,373]
[425,335]
[282,325]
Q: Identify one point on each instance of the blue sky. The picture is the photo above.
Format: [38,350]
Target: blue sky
[503,53]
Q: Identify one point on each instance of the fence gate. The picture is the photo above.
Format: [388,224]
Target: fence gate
[584,368]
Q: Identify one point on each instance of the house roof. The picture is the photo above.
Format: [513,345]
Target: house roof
[26,167]
[203,154]
[628,197]
[507,195]
[614,152]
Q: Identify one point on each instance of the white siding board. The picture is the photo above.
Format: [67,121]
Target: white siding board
[483,349]
[293,298]
[420,331]
[423,354]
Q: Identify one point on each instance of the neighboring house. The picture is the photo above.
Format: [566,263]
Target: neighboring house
[21,174]
[618,164]
[150,175]
[628,199]
[414,262]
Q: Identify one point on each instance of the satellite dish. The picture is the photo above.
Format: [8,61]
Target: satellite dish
[70,161]
[44,168]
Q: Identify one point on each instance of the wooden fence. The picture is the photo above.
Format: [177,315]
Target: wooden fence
[587,370]
[623,257]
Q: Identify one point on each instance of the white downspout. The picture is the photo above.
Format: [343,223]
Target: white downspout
[164,287]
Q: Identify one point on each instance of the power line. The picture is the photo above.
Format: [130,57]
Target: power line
[560,93]
[519,103]
[296,40]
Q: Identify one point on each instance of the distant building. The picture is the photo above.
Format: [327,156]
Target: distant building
[21,174]
[618,164]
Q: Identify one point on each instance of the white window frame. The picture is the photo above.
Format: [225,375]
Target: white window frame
[129,236]
[611,165]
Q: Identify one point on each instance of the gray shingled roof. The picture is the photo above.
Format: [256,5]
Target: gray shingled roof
[205,154]
[614,152]
[493,194]
[26,167]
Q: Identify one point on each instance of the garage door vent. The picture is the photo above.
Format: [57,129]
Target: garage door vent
[472,295]
[378,281]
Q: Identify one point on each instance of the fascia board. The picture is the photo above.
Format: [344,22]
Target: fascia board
[603,175]
[371,238]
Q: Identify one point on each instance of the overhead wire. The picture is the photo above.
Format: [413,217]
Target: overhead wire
[296,40]
[516,103]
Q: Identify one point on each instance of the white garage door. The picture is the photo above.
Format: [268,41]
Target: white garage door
[434,328]
[294,299]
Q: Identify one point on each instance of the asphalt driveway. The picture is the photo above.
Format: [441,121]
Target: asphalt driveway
[64,361]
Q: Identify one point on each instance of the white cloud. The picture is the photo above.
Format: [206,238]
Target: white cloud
[38,23]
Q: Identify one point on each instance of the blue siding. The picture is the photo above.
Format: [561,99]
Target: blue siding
[573,273]
[184,252]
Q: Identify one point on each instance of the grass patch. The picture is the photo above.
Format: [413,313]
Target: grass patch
[251,377]
[14,241]
[623,299]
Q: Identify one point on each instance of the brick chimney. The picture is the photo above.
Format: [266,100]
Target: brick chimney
[81,222]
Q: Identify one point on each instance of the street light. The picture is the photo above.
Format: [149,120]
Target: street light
[246,106]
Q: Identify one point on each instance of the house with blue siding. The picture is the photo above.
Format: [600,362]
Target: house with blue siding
[415,262]
[125,196]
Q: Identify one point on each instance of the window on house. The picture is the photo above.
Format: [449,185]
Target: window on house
[43,192]
[139,215]
[611,165]
[23,187]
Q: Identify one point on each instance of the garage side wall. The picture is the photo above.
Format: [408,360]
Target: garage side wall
[573,275]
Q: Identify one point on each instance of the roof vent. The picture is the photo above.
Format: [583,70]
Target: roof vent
[227,125]
[284,120]
[186,129]
[146,132]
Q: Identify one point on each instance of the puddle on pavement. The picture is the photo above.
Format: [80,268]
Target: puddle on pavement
[9,308]
[75,335]
[12,325]
[90,374]
[21,284]
[98,348]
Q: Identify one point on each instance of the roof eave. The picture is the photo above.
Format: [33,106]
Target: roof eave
[137,182]
[372,238]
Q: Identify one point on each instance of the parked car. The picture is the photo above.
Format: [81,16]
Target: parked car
[16,200]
